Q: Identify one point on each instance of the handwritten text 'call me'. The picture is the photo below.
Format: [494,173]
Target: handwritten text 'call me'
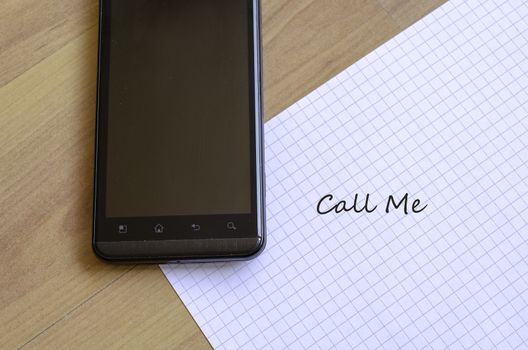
[327,205]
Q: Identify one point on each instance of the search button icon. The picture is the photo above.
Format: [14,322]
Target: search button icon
[231,226]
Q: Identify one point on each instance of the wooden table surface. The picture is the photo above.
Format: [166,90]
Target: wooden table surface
[54,293]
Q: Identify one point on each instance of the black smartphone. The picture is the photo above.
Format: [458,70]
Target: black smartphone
[179,157]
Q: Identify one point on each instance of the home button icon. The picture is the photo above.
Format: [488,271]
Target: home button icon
[159,228]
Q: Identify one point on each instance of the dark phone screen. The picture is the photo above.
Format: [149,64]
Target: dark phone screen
[179,109]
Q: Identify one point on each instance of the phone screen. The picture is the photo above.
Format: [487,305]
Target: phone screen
[178,128]
[178,155]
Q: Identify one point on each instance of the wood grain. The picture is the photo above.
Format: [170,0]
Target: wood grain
[54,293]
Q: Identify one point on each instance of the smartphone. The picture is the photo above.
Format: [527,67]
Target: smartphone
[179,170]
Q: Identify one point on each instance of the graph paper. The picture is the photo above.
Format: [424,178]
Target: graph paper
[439,112]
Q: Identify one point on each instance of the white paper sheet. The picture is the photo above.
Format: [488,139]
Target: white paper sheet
[440,112]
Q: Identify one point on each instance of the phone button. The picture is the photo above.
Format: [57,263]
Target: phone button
[159,228]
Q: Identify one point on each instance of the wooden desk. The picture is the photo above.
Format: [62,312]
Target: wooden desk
[54,292]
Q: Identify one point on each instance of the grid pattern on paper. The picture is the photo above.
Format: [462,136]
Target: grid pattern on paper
[439,112]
